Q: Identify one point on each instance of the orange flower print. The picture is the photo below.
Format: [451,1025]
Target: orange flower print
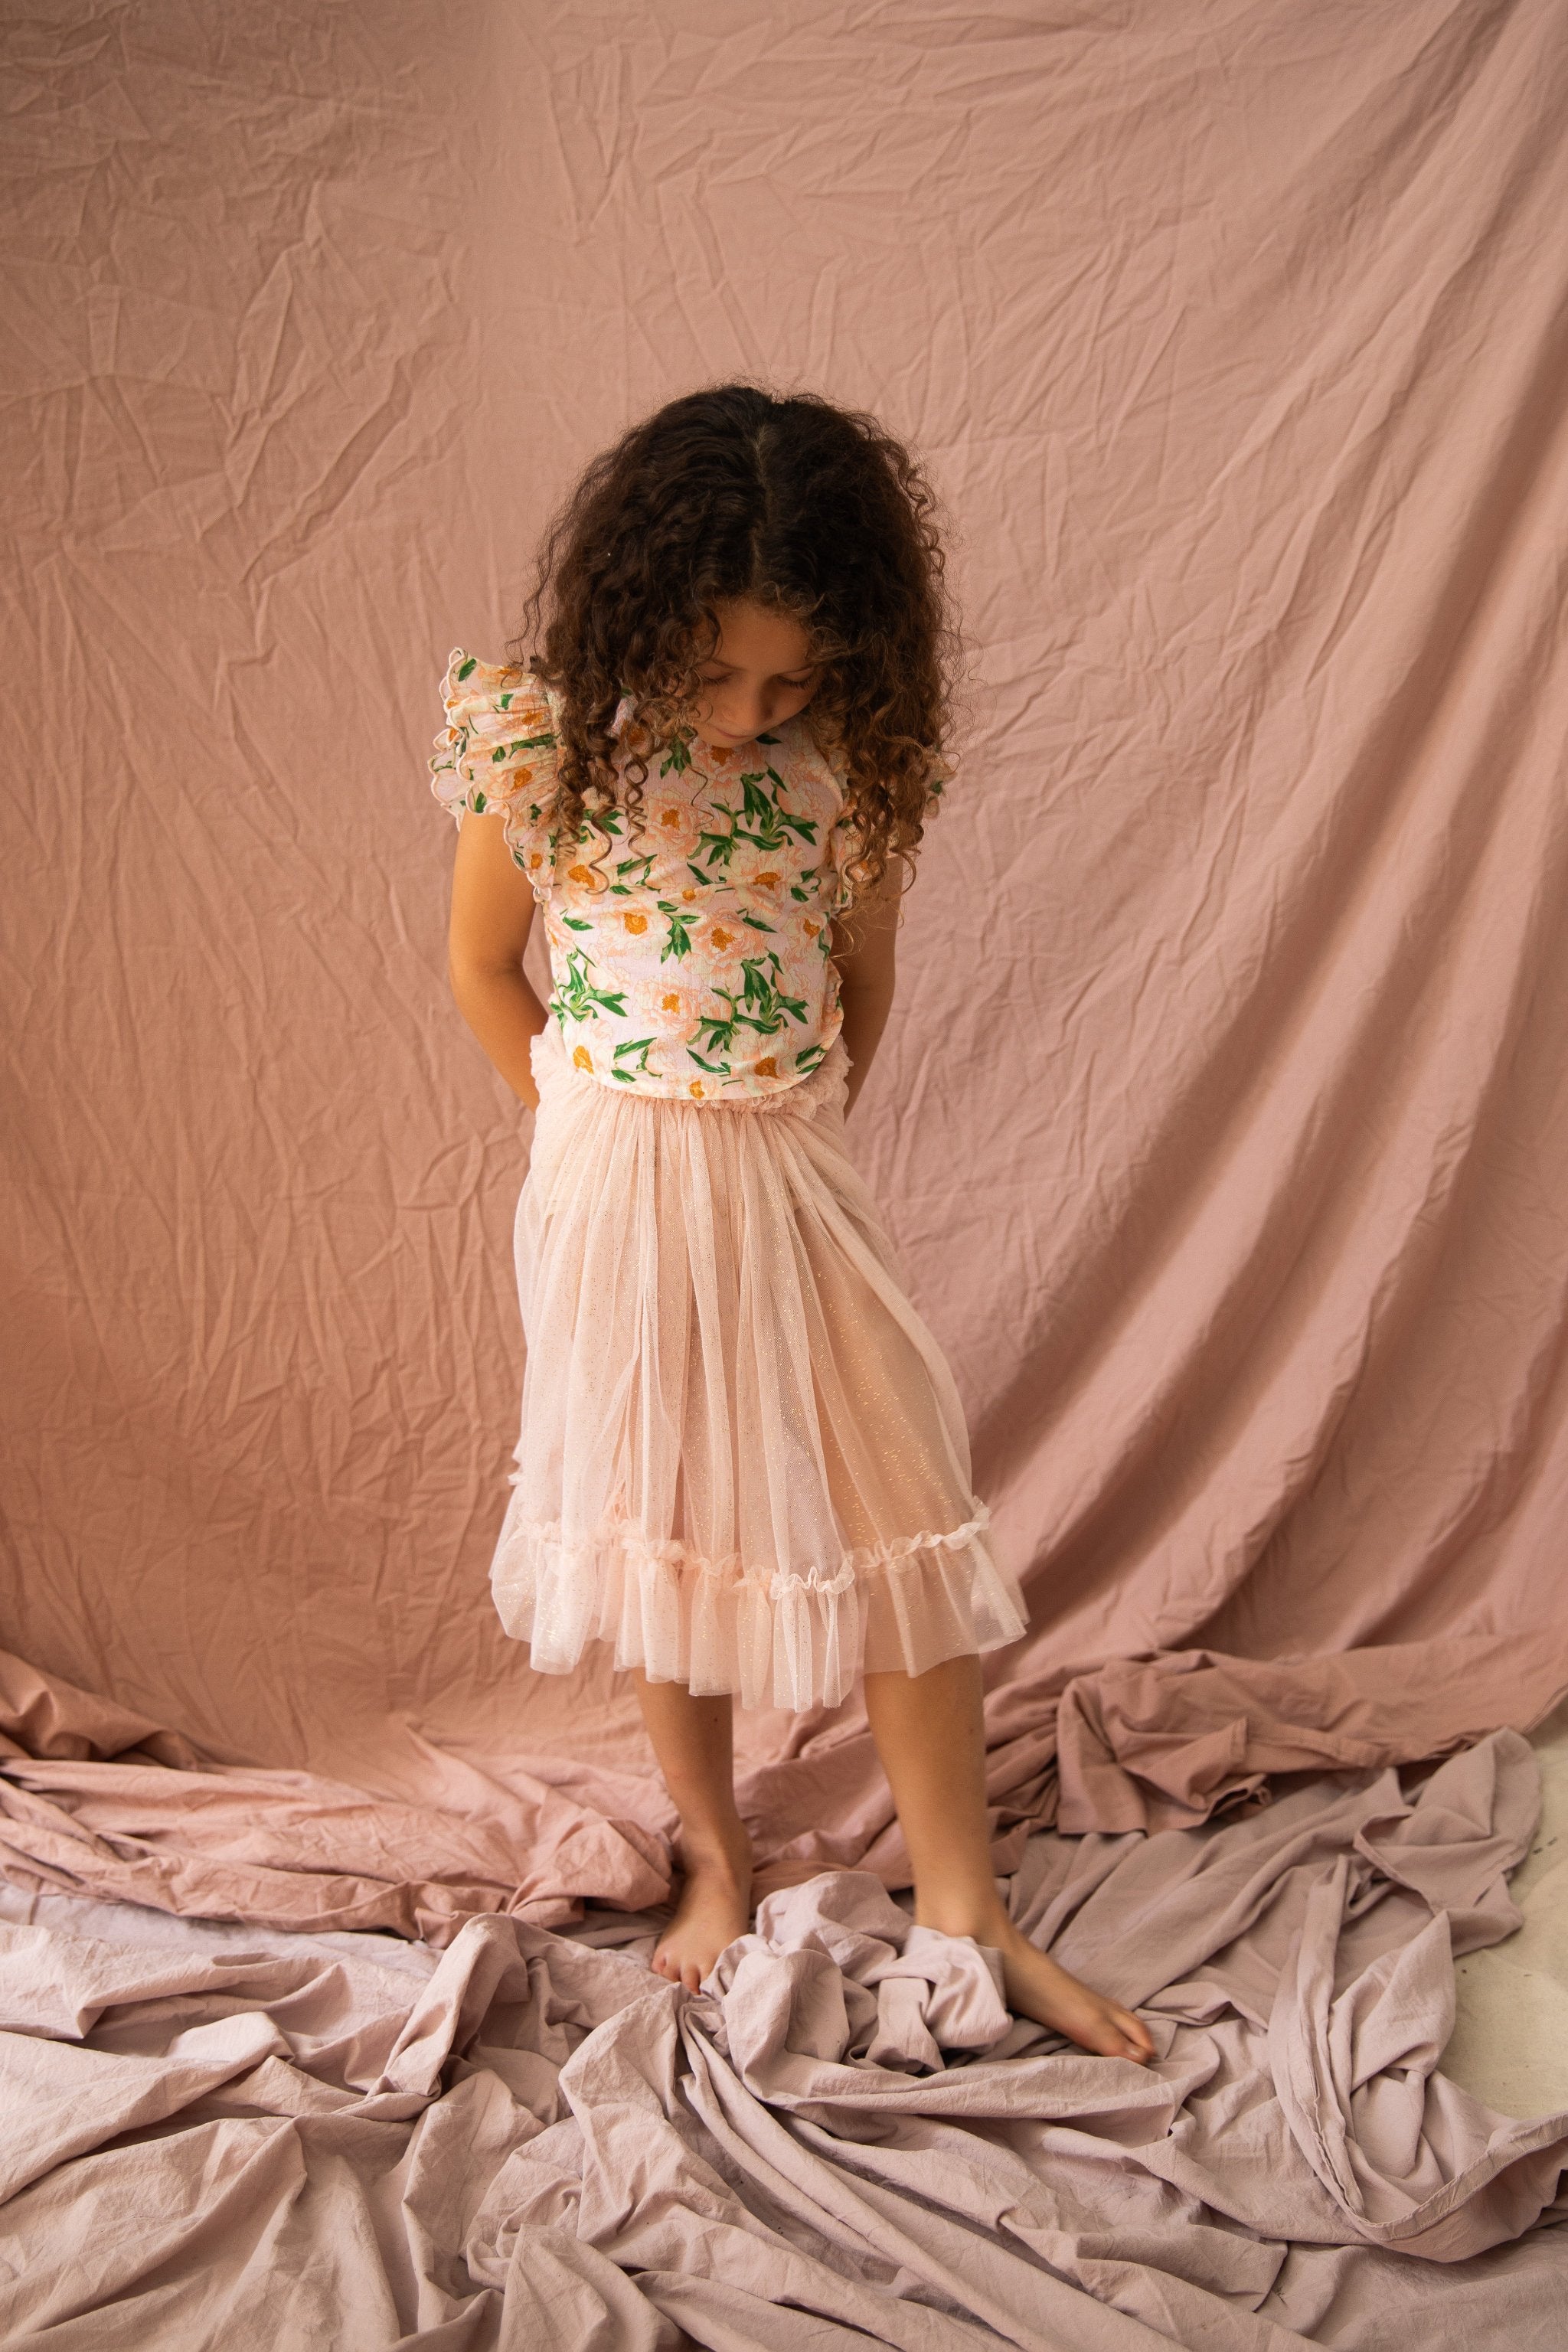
[672,1009]
[669,824]
[694,926]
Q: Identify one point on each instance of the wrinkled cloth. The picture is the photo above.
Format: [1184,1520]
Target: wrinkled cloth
[1218,1115]
[98,1799]
[529,2141]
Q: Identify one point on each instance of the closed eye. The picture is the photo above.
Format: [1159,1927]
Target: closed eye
[717,677]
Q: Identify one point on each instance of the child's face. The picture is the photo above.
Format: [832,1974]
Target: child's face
[760,674]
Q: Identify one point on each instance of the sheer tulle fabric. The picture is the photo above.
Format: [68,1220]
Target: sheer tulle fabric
[744,1460]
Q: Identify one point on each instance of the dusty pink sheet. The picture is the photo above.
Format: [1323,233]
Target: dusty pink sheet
[1222,1117]
[96,1801]
[530,2141]
[1221,1114]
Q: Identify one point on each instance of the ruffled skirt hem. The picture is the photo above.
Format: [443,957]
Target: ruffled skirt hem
[789,1640]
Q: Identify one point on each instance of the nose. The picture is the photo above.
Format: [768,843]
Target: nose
[745,712]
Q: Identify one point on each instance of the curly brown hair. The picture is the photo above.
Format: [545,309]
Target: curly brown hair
[807,509]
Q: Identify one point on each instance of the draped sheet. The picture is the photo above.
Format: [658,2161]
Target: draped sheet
[245,2136]
[1222,1116]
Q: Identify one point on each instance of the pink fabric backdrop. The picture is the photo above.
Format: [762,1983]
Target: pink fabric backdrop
[1223,1115]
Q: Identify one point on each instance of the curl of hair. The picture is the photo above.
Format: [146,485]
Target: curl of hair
[807,509]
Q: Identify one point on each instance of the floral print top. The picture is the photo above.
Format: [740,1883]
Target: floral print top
[689,956]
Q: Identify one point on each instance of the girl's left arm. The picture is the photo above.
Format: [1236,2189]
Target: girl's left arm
[867,977]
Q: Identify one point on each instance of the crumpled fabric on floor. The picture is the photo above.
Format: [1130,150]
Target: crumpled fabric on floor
[220,2135]
[95,1799]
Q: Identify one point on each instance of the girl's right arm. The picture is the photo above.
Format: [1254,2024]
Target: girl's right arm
[493,914]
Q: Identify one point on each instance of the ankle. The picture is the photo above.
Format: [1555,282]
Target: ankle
[954,1911]
[715,1849]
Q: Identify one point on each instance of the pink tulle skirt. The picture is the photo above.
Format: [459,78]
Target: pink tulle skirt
[744,1460]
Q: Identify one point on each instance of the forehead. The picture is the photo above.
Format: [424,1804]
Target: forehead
[752,638]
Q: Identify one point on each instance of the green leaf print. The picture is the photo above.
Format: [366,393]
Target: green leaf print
[761,1007]
[468,669]
[720,1029]
[809,1056]
[720,846]
[757,805]
[679,943]
[803,827]
[479,802]
[637,1048]
[760,820]
[677,758]
[578,996]
[761,992]
[524,743]
[714,1069]
[756,923]
[606,821]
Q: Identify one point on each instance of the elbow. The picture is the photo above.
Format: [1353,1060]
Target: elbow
[467,975]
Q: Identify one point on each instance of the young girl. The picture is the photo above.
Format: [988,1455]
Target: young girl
[743,1460]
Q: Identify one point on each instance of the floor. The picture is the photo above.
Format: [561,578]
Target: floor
[1510,2045]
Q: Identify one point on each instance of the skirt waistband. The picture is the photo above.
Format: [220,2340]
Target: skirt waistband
[553,1068]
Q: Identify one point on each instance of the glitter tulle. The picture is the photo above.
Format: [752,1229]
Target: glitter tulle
[744,1460]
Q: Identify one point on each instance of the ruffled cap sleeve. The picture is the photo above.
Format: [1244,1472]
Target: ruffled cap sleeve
[497,753]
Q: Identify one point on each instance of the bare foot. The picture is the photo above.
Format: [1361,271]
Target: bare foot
[1037,1987]
[715,1906]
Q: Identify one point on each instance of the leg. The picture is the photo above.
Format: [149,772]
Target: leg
[692,1739]
[929,1734]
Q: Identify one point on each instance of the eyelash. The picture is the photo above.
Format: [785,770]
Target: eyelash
[783,682]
